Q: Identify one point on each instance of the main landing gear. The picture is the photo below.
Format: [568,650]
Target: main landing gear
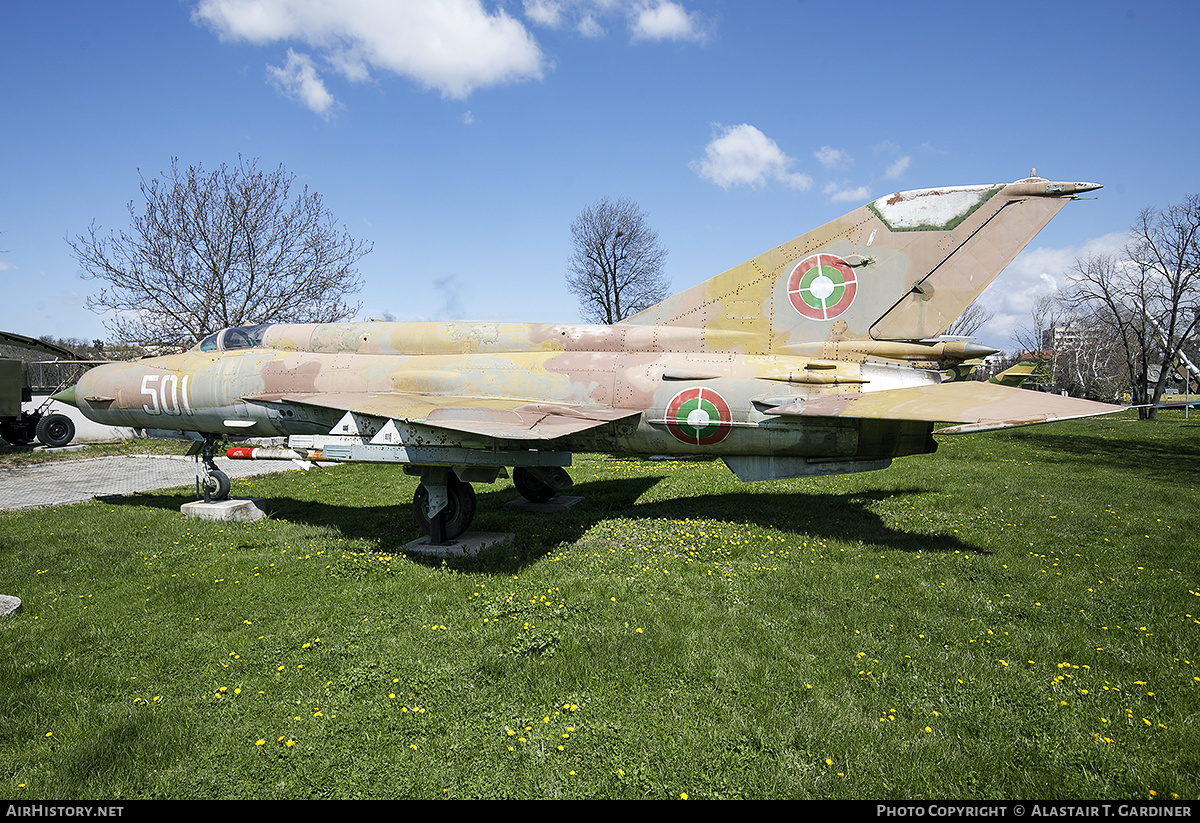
[444,504]
[539,484]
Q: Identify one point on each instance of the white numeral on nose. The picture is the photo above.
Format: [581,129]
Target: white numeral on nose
[169,396]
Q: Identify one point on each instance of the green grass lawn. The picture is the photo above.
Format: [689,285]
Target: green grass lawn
[1017,615]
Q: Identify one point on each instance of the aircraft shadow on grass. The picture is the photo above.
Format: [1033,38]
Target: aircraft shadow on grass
[822,516]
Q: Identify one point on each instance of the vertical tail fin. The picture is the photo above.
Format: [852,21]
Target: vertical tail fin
[900,268]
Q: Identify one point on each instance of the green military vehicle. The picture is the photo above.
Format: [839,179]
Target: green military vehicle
[19,427]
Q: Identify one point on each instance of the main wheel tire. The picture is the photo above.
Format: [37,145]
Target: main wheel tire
[217,483]
[531,487]
[55,430]
[459,511]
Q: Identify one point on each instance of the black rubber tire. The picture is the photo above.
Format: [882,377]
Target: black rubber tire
[459,511]
[55,430]
[218,484]
[531,488]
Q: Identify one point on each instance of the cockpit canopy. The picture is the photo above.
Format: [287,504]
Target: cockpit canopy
[236,337]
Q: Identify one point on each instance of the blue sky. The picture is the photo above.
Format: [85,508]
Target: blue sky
[735,125]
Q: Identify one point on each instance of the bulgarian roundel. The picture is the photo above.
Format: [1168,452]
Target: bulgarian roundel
[699,417]
[822,286]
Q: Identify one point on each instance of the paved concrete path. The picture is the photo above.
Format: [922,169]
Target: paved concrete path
[74,481]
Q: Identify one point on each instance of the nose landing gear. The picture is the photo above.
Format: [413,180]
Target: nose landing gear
[214,485]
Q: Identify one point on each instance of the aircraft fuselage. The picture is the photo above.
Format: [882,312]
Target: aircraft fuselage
[679,402]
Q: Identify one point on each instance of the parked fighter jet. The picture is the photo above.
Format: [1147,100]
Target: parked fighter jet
[819,356]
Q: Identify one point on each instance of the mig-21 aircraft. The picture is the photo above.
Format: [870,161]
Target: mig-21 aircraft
[823,355]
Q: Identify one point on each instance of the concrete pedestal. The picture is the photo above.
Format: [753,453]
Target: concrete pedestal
[243,510]
[554,504]
[466,544]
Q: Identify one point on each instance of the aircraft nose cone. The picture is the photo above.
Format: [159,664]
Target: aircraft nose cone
[1087,187]
[67,396]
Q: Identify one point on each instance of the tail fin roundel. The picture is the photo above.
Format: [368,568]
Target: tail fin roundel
[900,268]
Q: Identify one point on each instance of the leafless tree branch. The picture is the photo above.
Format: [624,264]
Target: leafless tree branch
[207,250]
[616,267]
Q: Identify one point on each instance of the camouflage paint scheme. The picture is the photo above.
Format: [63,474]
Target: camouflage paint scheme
[819,356]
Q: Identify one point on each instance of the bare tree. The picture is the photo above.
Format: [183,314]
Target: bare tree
[228,248]
[1074,350]
[616,267]
[975,317]
[1036,340]
[1148,299]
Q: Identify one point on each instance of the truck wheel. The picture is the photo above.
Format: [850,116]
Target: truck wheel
[55,430]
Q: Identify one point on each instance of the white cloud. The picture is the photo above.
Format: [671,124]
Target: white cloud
[298,79]
[837,194]
[546,13]
[744,156]
[453,46]
[590,28]
[898,167]
[648,20]
[832,158]
[1033,274]
[664,20]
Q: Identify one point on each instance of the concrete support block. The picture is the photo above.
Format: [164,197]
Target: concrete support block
[466,544]
[9,605]
[554,504]
[243,510]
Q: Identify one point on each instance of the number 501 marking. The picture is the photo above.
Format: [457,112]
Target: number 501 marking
[169,396]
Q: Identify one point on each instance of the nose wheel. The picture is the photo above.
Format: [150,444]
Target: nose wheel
[214,485]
